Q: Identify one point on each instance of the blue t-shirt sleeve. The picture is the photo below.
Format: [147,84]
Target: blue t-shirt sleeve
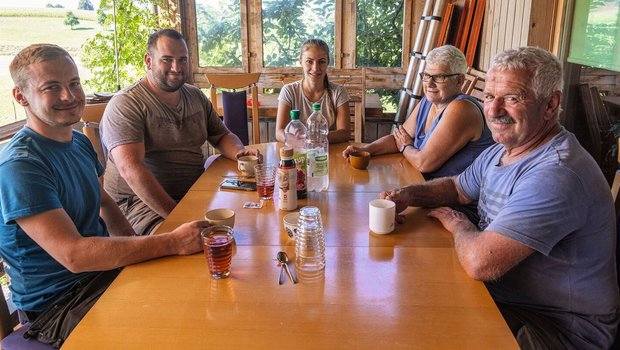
[25,188]
[470,180]
[540,211]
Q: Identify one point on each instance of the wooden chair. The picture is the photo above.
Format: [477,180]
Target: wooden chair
[12,333]
[474,84]
[356,88]
[599,128]
[233,82]
[90,127]
[469,84]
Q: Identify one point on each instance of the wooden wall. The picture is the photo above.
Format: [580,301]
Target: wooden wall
[516,23]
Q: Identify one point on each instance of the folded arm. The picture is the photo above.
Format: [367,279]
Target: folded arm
[460,123]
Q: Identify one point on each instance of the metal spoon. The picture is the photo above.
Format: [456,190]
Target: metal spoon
[281,277]
[283,259]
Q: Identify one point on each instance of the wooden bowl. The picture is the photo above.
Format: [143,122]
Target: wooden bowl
[359,159]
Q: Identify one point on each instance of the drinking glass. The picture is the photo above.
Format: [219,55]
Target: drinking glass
[310,241]
[218,244]
[265,180]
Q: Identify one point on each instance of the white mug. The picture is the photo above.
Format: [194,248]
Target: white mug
[246,165]
[221,216]
[381,215]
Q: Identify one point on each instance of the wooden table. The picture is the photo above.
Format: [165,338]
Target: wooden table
[403,290]
[268,106]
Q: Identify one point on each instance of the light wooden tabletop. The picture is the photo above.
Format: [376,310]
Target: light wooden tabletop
[402,290]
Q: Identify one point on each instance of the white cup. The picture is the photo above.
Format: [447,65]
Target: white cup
[381,215]
[221,216]
[246,165]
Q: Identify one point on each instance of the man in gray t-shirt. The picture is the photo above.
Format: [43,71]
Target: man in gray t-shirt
[545,245]
[154,131]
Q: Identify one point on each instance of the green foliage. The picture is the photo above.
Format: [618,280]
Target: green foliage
[219,33]
[134,23]
[71,20]
[379,33]
[287,24]
[86,5]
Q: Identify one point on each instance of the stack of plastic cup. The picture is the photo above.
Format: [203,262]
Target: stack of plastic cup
[310,242]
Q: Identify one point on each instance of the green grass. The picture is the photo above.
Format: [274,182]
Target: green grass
[47,12]
[19,32]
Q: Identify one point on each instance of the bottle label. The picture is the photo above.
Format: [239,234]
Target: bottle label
[321,165]
[300,163]
[287,179]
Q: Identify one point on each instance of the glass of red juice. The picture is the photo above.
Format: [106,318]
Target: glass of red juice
[218,242]
[265,180]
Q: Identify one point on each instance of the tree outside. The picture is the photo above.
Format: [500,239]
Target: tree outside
[134,23]
[71,20]
[86,5]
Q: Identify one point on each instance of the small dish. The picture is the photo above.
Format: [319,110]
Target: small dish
[290,224]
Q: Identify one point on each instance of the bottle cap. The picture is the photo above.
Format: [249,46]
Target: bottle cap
[295,114]
[286,152]
[316,106]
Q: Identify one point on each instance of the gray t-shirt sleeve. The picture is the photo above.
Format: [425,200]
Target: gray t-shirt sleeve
[286,95]
[122,122]
[340,95]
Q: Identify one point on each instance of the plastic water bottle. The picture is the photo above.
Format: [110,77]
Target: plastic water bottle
[309,242]
[317,151]
[295,137]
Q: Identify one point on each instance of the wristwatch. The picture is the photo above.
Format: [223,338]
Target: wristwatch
[402,149]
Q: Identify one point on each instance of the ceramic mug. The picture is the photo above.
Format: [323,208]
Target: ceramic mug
[381,216]
[246,165]
[221,216]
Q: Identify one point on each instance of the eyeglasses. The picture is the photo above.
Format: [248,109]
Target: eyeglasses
[437,78]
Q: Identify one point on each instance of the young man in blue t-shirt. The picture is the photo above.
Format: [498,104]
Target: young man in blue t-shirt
[57,226]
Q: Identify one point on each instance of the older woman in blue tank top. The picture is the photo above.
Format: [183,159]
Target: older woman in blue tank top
[446,131]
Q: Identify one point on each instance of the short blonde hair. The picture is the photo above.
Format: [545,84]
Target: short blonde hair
[34,53]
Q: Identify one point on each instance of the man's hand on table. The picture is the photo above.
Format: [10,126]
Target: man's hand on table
[401,198]
[187,237]
[350,149]
[452,220]
[250,152]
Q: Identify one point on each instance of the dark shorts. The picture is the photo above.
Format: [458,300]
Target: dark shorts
[538,330]
[142,218]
